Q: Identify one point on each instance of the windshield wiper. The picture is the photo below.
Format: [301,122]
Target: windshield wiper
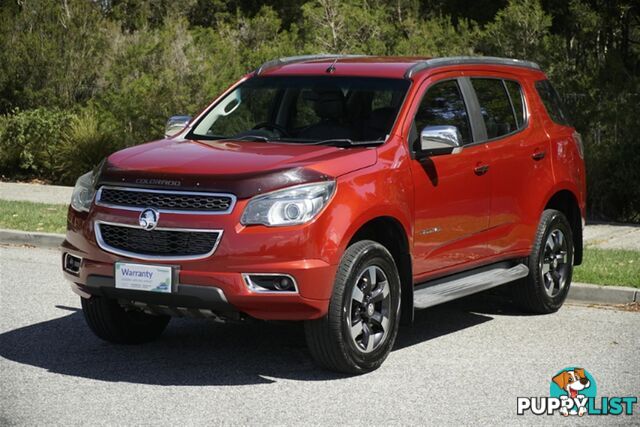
[346,142]
[255,138]
[258,138]
[337,142]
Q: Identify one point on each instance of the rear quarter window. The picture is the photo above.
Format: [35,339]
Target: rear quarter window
[552,102]
[517,101]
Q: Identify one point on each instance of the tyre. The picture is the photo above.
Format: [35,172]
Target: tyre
[110,322]
[550,265]
[361,324]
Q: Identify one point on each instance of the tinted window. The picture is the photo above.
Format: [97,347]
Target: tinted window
[517,100]
[305,109]
[443,106]
[303,113]
[243,112]
[495,107]
[383,100]
[551,101]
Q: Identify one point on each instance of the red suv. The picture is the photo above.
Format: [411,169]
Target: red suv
[342,191]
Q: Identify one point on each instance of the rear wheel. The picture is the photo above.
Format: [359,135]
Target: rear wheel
[361,325]
[550,265]
[111,322]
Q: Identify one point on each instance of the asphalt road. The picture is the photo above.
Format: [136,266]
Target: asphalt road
[462,363]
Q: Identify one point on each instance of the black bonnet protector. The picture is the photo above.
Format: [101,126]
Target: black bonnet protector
[242,185]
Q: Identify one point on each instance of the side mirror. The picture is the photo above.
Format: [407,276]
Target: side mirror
[175,124]
[438,140]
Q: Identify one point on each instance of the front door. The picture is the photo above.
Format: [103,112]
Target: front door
[452,191]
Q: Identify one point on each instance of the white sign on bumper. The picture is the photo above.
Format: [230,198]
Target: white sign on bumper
[142,277]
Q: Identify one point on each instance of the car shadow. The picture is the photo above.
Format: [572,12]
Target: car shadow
[196,352]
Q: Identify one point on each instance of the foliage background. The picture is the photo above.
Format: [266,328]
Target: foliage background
[82,78]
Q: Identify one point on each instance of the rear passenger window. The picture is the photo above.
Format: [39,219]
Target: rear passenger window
[443,106]
[495,107]
[552,103]
[517,101]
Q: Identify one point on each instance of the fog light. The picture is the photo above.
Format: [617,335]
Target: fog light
[71,263]
[276,283]
[283,284]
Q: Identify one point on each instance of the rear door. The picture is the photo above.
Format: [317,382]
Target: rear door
[520,169]
[452,194]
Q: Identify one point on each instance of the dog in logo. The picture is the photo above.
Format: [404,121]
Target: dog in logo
[573,382]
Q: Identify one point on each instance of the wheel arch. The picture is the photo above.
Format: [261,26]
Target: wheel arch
[392,234]
[565,201]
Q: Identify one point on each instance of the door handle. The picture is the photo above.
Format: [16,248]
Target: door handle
[481,169]
[538,155]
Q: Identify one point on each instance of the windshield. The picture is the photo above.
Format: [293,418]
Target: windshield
[305,109]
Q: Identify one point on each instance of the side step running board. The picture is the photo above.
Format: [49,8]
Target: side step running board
[463,284]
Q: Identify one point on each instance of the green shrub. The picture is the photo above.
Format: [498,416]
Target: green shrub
[29,142]
[53,145]
[613,178]
[83,145]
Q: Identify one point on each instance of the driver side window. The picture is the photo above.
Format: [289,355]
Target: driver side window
[443,105]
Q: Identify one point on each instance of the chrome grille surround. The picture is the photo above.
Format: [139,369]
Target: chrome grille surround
[100,239]
[165,201]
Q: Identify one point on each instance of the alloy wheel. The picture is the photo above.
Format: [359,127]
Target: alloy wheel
[369,309]
[554,265]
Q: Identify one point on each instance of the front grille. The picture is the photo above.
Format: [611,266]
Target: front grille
[162,200]
[156,243]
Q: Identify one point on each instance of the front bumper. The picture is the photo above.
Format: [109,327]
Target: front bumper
[216,281]
[186,299]
[223,292]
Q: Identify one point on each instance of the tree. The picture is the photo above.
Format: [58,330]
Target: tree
[50,53]
[350,26]
[437,37]
[521,30]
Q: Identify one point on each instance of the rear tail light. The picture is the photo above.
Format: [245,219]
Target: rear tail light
[275,283]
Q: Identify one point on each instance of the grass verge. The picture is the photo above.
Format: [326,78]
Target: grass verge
[609,267]
[30,216]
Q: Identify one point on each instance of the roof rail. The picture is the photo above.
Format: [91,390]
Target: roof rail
[460,60]
[300,58]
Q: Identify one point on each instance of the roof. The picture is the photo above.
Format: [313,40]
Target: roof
[378,66]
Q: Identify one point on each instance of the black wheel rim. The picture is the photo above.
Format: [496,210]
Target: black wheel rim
[555,264]
[369,308]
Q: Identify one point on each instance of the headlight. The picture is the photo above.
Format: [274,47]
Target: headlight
[83,192]
[293,205]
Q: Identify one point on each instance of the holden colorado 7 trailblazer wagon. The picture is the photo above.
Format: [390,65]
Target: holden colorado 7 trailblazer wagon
[342,191]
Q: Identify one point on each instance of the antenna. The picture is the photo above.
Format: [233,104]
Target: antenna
[332,67]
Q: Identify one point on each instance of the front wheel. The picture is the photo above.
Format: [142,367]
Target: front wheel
[361,325]
[550,265]
[111,322]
